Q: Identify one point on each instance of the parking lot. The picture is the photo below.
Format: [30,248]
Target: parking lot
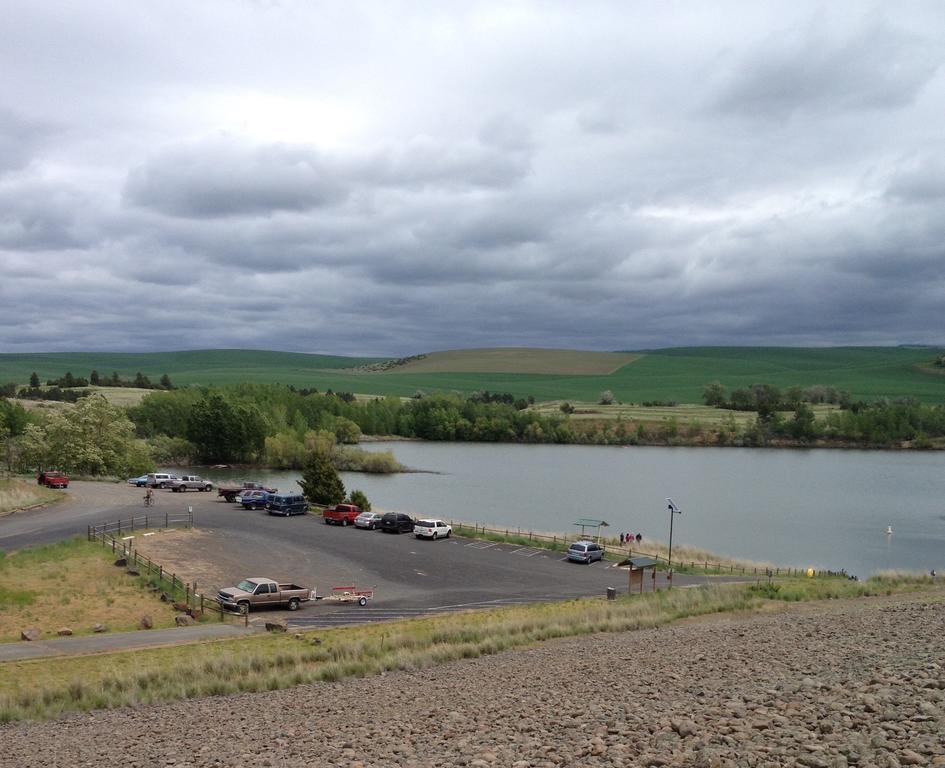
[409,576]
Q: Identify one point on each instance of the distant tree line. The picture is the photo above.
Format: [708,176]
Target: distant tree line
[272,423]
[767,398]
[140,381]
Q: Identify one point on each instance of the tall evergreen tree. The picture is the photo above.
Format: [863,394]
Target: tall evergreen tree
[320,482]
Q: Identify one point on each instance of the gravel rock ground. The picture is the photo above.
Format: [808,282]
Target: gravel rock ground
[845,683]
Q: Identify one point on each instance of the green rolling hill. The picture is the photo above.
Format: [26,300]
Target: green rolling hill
[663,374]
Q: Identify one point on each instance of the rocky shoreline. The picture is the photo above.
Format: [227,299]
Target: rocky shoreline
[834,684]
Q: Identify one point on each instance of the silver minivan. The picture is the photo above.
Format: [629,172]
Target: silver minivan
[585,552]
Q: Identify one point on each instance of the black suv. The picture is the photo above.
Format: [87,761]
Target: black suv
[396,522]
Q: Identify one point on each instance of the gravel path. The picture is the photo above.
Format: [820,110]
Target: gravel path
[846,683]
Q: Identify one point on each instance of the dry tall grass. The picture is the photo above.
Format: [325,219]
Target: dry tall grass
[50,687]
[16,493]
[72,584]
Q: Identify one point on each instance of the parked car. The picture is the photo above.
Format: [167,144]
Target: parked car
[396,522]
[139,482]
[585,552]
[341,514]
[190,483]
[287,504]
[254,499]
[230,492]
[159,480]
[53,479]
[369,520]
[258,592]
[432,529]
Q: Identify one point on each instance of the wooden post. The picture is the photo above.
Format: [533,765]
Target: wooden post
[165,519]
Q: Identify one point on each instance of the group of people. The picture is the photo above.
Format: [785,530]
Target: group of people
[628,538]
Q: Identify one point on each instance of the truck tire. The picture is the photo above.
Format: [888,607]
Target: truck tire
[243,607]
[294,604]
[362,600]
[344,522]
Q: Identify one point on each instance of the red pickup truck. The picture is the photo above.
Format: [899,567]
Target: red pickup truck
[53,479]
[342,514]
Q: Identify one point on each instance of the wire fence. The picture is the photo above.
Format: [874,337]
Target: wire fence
[560,542]
[183,595]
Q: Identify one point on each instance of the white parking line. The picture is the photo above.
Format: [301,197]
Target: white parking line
[526,552]
[482,545]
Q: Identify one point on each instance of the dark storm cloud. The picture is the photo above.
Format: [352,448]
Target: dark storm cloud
[39,216]
[211,180]
[812,70]
[922,182]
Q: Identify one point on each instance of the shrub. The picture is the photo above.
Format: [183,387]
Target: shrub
[360,499]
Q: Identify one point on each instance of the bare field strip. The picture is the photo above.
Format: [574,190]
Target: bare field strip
[684,414]
[519,360]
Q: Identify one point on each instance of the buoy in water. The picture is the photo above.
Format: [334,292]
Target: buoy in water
[888,529]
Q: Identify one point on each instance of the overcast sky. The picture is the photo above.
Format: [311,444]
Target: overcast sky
[390,178]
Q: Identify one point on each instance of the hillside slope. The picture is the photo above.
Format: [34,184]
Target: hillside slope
[678,374]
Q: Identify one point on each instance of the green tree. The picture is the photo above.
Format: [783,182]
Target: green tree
[360,499]
[606,397]
[166,382]
[34,379]
[714,394]
[91,438]
[320,482]
[223,432]
[94,379]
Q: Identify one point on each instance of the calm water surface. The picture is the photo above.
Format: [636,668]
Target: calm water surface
[820,508]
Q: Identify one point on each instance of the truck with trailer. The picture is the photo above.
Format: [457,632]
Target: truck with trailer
[259,592]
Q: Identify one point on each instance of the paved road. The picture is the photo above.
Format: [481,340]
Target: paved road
[411,577]
[121,641]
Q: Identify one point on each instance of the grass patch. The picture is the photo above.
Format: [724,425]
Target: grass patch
[74,584]
[16,493]
[686,559]
[48,688]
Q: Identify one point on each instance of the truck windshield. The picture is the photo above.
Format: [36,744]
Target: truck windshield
[247,586]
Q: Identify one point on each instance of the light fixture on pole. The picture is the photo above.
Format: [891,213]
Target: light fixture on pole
[673,510]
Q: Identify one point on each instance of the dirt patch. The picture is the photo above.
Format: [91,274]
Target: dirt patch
[186,554]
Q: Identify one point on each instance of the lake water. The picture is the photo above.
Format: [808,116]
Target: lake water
[819,508]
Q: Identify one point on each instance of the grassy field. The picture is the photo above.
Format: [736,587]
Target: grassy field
[51,687]
[18,494]
[518,360]
[72,584]
[667,374]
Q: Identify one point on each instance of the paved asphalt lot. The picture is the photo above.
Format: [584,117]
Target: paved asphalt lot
[410,576]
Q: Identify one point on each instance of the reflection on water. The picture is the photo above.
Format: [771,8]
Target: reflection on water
[820,508]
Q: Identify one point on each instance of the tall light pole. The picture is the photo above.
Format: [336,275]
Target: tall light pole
[673,511]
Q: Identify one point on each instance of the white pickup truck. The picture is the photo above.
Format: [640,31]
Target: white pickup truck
[258,591]
[190,483]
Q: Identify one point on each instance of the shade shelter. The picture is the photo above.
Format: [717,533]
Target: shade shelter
[589,522]
[638,569]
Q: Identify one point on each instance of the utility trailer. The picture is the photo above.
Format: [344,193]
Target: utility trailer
[348,594]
